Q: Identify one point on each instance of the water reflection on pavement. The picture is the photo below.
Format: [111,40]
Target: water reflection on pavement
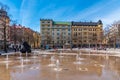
[92,67]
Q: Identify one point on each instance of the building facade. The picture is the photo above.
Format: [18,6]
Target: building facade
[37,40]
[76,34]
[4,28]
[55,33]
[87,34]
[19,33]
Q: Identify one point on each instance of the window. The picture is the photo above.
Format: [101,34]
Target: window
[80,41]
[57,37]
[85,33]
[69,38]
[75,29]
[57,33]
[68,29]
[85,41]
[48,25]
[89,40]
[75,41]
[94,29]
[68,41]
[48,33]
[42,32]
[52,41]
[43,29]
[80,29]
[43,22]
[58,42]
[75,34]
[90,29]
[69,26]
[85,29]
[42,25]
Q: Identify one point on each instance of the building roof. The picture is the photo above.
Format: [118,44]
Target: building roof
[61,23]
[3,13]
[86,23]
[46,20]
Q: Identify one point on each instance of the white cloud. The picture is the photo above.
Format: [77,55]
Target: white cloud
[88,12]
[111,17]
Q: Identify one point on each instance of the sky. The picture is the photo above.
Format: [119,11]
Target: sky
[29,12]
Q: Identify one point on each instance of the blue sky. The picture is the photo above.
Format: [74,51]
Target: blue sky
[29,12]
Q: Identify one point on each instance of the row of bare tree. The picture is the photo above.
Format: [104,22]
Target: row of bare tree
[112,35]
[14,33]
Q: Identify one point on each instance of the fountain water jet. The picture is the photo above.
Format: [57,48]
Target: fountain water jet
[6,59]
[34,67]
[20,55]
[26,60]
[57,66]
[60,54]
[52,60]
[7,65]
[34,55]
[106,56]
[21,64]
[78,59]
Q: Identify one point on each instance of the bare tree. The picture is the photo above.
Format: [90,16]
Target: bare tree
[116,31]
[107,35]
[14,34]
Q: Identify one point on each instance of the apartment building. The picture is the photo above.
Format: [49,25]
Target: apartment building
[4,28]
[55,33]
[87,34]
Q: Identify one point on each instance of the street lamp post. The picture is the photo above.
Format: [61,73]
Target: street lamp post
[114,41]
[88,42]
[15,37]
[5,41]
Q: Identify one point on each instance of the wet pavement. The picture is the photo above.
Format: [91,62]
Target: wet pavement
[85,67]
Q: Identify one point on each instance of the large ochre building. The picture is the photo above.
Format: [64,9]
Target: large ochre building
[87,34]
